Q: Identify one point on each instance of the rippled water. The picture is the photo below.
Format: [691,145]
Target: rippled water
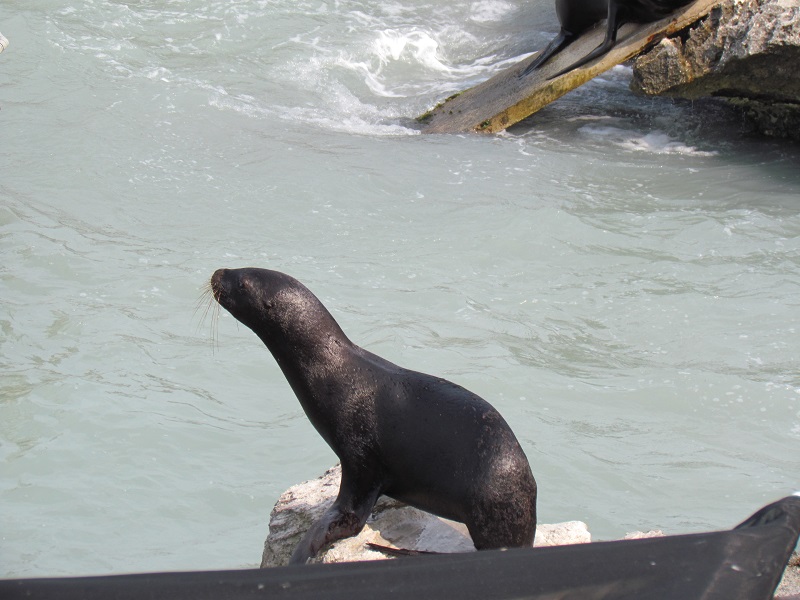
[619,276]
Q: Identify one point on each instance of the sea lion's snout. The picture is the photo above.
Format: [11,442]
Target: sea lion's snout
[217,288]
[234,289]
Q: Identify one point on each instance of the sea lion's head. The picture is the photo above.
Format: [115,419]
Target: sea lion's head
[274,305]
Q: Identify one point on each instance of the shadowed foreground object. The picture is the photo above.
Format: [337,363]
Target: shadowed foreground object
[741,564]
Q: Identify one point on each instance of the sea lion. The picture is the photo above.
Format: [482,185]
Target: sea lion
[576,16]
[414,437]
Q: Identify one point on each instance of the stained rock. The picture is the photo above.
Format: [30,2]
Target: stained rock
[392,524]
[745,51]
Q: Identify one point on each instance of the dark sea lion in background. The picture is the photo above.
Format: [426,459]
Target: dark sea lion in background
[414,437]
[576,16]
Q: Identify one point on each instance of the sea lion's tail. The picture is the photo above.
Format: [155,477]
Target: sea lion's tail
[398,551]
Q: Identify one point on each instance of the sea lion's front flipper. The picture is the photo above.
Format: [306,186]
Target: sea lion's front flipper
[345,518]
[612,26]
[561,41]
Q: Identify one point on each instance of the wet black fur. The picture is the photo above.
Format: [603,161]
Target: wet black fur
[414,437]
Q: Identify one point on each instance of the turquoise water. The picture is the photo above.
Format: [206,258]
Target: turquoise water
[620,277]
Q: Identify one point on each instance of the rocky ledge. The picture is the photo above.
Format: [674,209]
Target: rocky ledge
[745,51]
[397,525]
[392,524]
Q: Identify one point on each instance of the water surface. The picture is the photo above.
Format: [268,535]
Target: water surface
[619,276]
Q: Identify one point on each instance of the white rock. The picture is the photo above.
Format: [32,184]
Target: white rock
[639,535]
[391,524]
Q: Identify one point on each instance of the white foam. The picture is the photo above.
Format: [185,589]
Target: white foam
[344,113]
[417,45]
[655,142]
[490,10]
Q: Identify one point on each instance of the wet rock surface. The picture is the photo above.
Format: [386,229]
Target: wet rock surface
[745,51]
[392,524]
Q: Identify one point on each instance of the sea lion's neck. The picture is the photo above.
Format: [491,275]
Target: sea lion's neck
[308,358]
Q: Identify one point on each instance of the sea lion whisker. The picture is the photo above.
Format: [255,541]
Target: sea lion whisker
[207,303]
[203,303]
[215,323]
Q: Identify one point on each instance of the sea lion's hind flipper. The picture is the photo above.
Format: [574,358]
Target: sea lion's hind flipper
[612,26]
[388,550]
[558,43]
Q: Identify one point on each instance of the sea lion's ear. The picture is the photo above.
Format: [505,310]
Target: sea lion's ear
[244,282]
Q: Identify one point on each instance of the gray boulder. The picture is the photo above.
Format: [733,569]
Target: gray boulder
[392,524]
[746,51]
